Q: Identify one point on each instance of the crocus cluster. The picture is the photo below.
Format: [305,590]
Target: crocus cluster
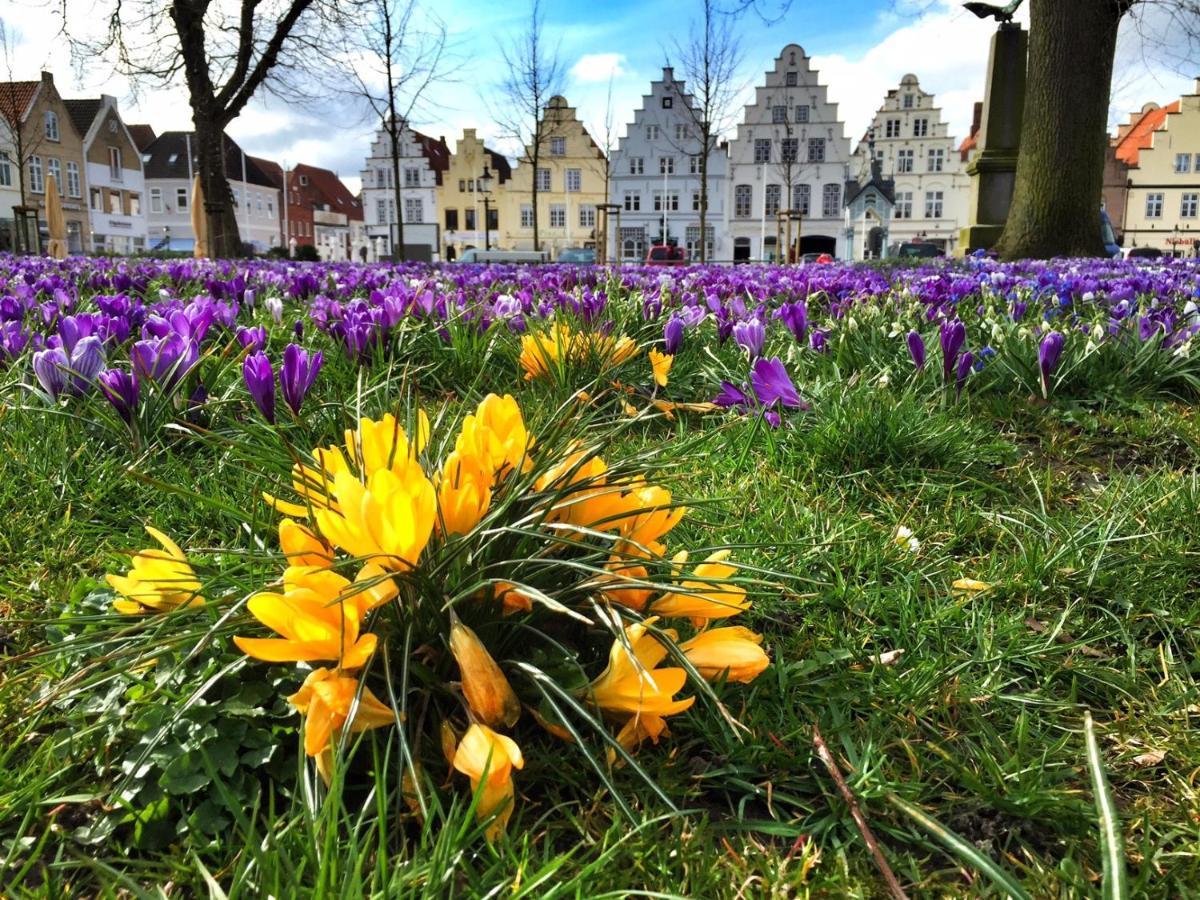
[296,377]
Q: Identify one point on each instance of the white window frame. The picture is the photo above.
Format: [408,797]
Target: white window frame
[573,180]
[156,200]
[816,142]
[1189,205]
[53,133]
[934,204]
[637,165]
[1154,205]
[526,215]
[558,146]
[558,215]
[37,177]
[74,184]
[182,200]
[743,201]
[666,165]
[543,179]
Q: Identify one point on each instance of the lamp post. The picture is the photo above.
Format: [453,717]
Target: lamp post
[485,188]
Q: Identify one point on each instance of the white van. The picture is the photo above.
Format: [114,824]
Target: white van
[475,255]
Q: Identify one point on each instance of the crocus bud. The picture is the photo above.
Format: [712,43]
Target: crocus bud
[672,336]
[1049,351]
[260,382]
[298,374]
[121,390]
[87,361]
[916,349]
[275,307]
[50,367]
[488,692]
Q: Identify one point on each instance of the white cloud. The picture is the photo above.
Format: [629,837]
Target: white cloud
[598,67]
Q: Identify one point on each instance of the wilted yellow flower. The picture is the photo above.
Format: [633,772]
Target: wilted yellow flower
[707,595]
[302,547]
[660,363]
[464,493]
[488,758]
[389,520]
[632,685]
[325,700]
[316,619]
[513,598]
[159,580]
[735,650]
[967,586]
[624,582]
[489,695]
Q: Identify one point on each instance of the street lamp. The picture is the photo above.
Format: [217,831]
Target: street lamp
[485,188]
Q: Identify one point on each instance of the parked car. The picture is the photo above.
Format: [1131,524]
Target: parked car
[1111,247]
[919,250]
[583,256]
[666,255]
[475,255]
[1143,253]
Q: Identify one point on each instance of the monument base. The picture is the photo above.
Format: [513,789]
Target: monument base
[978,237]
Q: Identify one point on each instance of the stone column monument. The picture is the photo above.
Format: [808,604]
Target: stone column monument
[993,171]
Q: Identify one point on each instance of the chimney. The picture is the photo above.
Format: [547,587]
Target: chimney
[48,78]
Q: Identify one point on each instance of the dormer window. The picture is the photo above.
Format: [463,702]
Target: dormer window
[52,125]
[908,101]
[667,102]
[304,181]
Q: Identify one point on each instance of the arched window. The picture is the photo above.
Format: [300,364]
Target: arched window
[743,197]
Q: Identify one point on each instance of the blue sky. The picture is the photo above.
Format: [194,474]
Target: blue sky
[860,47]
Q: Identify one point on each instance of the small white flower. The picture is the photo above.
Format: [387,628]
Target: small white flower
[884,380]
[275,307]
[905,539]
[1097,332]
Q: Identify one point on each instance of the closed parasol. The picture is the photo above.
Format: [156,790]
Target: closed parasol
[199,220]
[57,226]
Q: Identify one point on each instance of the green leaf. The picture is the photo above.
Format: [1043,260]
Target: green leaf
[1115,885]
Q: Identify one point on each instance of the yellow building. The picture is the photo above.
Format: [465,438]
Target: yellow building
[571,183]
[463,196]
[1161,147]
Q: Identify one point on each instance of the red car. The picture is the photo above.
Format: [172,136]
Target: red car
[666,255]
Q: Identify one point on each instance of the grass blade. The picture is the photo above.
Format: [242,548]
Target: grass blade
[1114,886]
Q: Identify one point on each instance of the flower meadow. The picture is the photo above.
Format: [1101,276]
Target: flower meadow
[449,581]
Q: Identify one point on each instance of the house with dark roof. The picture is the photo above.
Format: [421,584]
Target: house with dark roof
[322,212]
[423,162]
[39,140]
[113,174]
[170,162]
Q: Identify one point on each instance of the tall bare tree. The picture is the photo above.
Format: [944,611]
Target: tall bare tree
[396,52]
[708,61]
[534,76]
[224,53]
[23,138]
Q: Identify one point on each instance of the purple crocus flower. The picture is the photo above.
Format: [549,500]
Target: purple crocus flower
[1049,350]
[750,335]
[164,360]
[953,336]
[795,317]
[916,349]
[964,371]
[260,382]
[672,335]
[252,339]
[87,361]
[731,395]
[298,374]
[818,341]
[772,385]
[50,367]
[121,390]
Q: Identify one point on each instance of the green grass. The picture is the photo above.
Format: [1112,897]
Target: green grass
[1083,513]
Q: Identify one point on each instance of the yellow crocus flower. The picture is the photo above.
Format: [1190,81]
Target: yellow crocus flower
[325,701]
[632,685]
[464,493]
[488,758]
[734,650]
[707,595]
[302,547]
[389,520]
[489,695]
[660,363]
[158,581]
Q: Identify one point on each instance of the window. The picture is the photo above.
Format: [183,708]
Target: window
[668,102]
[816,149]
[1197,163]
[543,179]
[573,180]
[5,169]
[469,219]
[908,101]
[492,219]
[156,200]
[695,201]
[743,196]
[51,125]
[114,203]
[412,177]
[920,127]
[762,150]
[587,216]
[114,163]
[633,201]
[462,185]
[135,205]
[637,165]
[692,237]
[558,146]
[74,188]
[526,215]
[904,161]
[381,212]
[633,243]
[181,199]
[773,194]
[95,199]
[652,132]
[682,133]
[452,220]
[1183,163]
[831,200]
[933,204]
[937,159]
[1154,206]
[666,165]
[558,215]
[891,128]
[414,210]
[778,114]
[671,200]
[789,150]
[54,167]
[791,79]
[270,208]
[1189,205]
[802,198]
[802,114]
[36,182]
[693,165]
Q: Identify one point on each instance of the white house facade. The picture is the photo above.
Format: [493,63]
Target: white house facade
[916,153]
[116,187]
[655,179]
[790,153]
[422,162]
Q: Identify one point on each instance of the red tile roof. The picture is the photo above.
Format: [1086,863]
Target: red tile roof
[1141,133]
[143,135]
[325,188]
[15,97]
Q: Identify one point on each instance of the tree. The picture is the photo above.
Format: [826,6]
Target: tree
[224,53]
[708,61]
[1055,208]
[534,77]
[395,55]
[23,141]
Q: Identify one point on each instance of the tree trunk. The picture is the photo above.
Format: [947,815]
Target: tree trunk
[1060,171]
[537,245]
[224,241]
[706,138]
[394,135]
